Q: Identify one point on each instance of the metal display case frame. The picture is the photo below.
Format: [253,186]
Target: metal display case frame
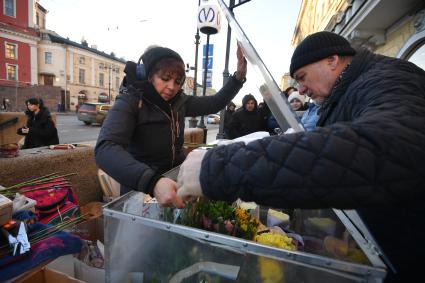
[117,217]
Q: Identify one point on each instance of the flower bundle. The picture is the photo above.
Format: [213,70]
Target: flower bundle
[221,217]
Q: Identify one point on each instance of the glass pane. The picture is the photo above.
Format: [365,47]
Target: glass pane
[418,57]
[153,253]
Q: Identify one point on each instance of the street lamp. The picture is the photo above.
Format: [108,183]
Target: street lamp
[193,120]
[208,23]
[111,68]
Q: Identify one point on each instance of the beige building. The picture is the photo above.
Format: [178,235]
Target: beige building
[83,73]
[389,27]
[87,74]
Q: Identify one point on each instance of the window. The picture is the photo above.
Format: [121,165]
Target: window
[12,72]
[48,57]
[117,83]
[101,79]
[9,8]
[37,19]
[82,60]
[418,57]
[11,51]
[81,76]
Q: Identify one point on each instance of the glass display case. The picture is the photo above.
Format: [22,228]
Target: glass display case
[144,244]
[141,246]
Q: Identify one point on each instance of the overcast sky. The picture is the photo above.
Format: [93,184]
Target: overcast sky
[127,27]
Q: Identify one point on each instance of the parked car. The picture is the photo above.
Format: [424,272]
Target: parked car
[93,112]
[213,119]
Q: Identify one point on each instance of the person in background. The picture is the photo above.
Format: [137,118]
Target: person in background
[230,109]
[297,101]
[310,116]
[40,130]
[143,134]
[247,119]
[367,152]
[290,90]
[4,104]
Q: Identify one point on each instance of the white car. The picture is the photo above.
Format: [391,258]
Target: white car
[213,119]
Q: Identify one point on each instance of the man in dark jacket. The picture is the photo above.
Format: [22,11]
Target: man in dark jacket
[247,119]
[366,153]
[230,109]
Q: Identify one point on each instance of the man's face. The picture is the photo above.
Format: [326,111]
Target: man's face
[316,80]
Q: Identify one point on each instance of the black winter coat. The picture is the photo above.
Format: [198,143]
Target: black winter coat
[228,116]
[246,122]
[142,136]
[42,130]
[368,154]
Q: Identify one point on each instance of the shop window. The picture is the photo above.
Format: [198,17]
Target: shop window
[418,57]
[101,79]
[12,72]
[48,57]
[48,80]
[9,8]
[11,51]
[82,76]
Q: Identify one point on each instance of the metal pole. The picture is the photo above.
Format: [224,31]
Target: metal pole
[193,120]
[66,80]
[109,92]
[226,74]
[16,94]
[204,84]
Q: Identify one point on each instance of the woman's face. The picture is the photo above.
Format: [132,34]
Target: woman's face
[167,84]
[250,105]
[295,104]
[33,107]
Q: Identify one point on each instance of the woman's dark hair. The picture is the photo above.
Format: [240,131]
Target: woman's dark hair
[35,101]
[170,65]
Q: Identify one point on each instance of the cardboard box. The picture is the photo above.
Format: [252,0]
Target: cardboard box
[46,275]
[88,273]
[6,207]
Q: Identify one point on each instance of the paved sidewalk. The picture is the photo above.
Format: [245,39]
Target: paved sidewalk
[68,113]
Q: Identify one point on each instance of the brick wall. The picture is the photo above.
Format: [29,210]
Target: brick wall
[51,96]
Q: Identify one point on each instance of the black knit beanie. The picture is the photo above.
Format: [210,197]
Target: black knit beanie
[318,46]
[154,54]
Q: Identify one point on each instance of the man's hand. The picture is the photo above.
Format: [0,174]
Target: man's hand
[188,183]
[241,67]
[165,193]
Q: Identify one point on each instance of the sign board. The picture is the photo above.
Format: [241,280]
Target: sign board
[210,63]
[210,50]
[208,81]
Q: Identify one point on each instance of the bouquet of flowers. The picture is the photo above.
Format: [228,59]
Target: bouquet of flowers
[220,217]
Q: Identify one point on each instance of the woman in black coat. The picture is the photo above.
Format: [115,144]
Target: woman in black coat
[143,134]
[40,129]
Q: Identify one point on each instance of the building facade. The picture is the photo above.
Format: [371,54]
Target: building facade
[388,27]
[36,62]
[18,43]
[87,74]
